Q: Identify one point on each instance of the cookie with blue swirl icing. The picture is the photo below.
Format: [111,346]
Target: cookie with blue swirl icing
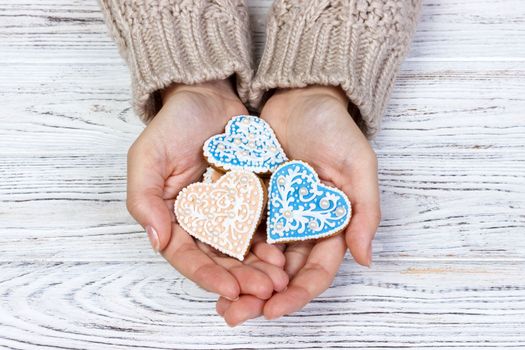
[300,207]
[248,143]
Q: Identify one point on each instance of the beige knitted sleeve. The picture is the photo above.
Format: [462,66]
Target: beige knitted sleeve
[355,44]
[180,41]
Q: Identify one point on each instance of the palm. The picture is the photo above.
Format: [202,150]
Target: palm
[320,132]
[175,152]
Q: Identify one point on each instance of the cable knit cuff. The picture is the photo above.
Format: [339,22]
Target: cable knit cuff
[355,44]
[180,41]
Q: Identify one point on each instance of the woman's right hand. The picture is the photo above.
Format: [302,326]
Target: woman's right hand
[165,158]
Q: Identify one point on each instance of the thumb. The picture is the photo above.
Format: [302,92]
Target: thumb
[361,231]
[145,192]
[152,212]
[361,186]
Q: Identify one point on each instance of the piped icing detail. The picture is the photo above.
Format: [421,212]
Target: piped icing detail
[300,207]
[248,143]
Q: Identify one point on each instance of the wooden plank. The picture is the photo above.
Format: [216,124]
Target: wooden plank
[66,31]
[468,108]
[451,151]
[148,305]
[77,272]
[448,30]
[72,208]
[455,29]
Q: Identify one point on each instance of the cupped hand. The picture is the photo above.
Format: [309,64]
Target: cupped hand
[313,125]
[166,157]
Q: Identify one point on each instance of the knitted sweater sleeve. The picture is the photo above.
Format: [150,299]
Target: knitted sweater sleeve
[179,41]
[355,44]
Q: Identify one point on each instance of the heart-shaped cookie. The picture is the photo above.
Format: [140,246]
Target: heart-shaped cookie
[249,143]
[301,208]
[223,214]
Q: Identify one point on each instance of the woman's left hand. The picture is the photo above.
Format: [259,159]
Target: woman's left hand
[313,125]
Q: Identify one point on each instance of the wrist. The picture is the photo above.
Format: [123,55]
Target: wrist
[223,88]
[335,92]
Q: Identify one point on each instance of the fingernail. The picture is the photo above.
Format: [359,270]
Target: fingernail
[230,299]
[153,237]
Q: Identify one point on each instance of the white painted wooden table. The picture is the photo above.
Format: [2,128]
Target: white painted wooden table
[77,272]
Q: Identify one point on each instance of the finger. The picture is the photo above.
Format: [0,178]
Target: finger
[269,253]
[250,280]
[222,305]
[184,255]
[363,191]
[314,278]
[276,274]
[296,256]
[246,308]
[145,190]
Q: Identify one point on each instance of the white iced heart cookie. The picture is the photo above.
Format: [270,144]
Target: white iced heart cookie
[248,143]
[224,214]
[301,208]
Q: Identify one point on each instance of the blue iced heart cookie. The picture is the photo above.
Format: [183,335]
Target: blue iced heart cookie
[301,208]
[249,143]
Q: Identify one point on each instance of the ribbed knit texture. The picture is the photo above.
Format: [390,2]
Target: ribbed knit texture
[355,44]
[180,41]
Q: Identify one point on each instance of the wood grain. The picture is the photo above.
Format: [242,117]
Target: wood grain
[76,272]
[73,31]
[451,151]
[71,208]
[148,305]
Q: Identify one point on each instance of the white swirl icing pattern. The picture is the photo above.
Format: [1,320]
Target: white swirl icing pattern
[248,143]
[301,208]
[224,214]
